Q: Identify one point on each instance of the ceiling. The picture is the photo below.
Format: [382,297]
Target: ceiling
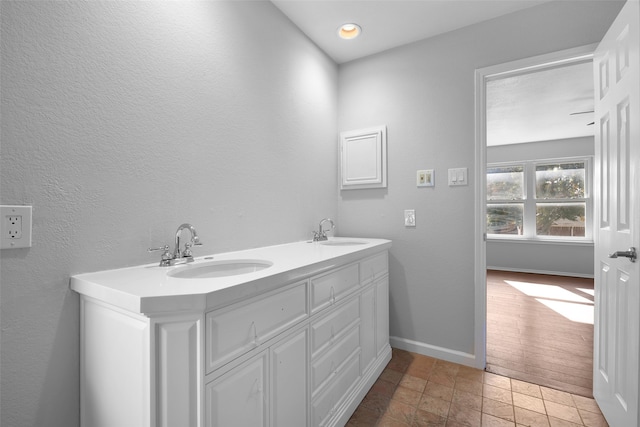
[388,23]
[526,108]
[550,104]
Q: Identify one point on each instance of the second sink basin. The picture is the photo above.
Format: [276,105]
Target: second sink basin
[221,268]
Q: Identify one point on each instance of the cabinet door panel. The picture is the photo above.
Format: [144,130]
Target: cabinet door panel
[289,362]
[239,398]
[374,268]
[324,406]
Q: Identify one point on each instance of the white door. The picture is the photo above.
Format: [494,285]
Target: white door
[617,172]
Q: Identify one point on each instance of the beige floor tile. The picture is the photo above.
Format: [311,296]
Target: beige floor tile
[530,418]
[467,400]
[526,388]
[471,374]
[444,378]
[496,393]
[438,390]
[388,421]
[391,376]
[406,395]
[497,380]
[491,421]
[557,396]
[434,405]
[428,419]
[465,416]
[555,422]
[401,411]
[586,404]
[414,383]
[528,402]
[498,409]
[591,419]
[563,412]
[468,386]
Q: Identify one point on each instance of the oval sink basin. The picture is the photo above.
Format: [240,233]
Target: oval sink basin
[219,269]
[341,243]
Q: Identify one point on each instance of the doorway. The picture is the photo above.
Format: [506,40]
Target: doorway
[521,67]
[540,145]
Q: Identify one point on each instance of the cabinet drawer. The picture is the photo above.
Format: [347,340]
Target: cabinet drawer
[374,267]
[331,362]
[324,407]
[327,329]
[241,327]
[327,289]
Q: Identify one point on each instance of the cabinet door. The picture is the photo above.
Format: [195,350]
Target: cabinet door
[239,397]
[289,361]
[382,314]
[368,327]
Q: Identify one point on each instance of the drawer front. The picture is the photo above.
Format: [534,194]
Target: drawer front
[324,407]
[327,289]
[331,362]
[234,330]
[326,330]
[374,267]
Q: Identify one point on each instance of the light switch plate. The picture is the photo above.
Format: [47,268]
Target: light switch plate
[458,177]
[15,227]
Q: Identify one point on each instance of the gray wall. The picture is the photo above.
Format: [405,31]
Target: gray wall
[424,93]
[122,120]
[568,259]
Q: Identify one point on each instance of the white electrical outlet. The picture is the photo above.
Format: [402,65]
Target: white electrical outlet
[410,218]
[15,227]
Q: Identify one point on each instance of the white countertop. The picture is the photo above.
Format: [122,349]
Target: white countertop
[150,290]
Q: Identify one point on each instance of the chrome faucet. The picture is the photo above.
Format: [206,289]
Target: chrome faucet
[321,234]
[195,241]
[179,256]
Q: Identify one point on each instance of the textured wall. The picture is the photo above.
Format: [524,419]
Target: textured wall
[120,121]
[424,93]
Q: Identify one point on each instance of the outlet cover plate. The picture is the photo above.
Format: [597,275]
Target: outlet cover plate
[410,218]
[15,227]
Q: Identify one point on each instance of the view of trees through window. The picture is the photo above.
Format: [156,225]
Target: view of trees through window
[558,206]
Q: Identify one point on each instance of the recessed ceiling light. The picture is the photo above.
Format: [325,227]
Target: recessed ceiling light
[349,31]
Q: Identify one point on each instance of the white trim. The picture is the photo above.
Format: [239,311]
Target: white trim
[433,351]
[549,273]
[482,75]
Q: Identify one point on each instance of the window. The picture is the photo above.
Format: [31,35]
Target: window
[559,206]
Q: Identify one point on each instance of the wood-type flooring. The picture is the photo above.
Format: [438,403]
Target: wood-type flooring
[529,336]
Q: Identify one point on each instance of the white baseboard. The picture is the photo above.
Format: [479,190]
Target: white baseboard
[433,351]
[551,273]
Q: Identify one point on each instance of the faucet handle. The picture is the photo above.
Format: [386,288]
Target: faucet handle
[166,257]
[161,248]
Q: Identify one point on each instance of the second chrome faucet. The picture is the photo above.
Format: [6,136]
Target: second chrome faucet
[321,234]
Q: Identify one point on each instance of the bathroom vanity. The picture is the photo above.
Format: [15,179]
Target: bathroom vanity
[282,336]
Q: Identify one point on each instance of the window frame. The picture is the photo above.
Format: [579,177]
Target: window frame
[530,201]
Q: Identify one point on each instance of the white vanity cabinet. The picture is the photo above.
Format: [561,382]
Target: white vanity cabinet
[297,347]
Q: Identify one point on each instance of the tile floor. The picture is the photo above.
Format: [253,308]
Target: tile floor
[416,391]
